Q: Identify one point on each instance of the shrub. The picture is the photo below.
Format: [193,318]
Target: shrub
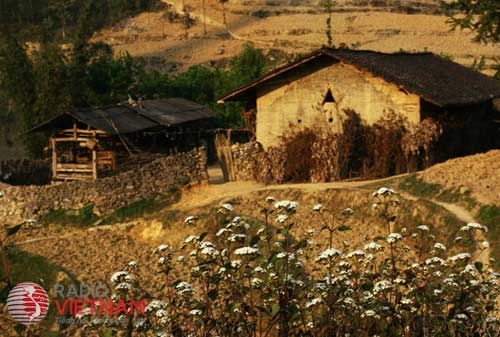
[259,279]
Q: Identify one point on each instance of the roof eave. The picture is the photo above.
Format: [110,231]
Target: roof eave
[242,90]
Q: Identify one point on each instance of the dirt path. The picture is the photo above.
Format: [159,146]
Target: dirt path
[219,191]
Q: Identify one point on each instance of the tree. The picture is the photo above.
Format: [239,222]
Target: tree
[224,19]
[328,5]
[16,84]
[480,16]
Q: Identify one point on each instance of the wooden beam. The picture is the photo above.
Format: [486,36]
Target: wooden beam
[94,164]
[54,156]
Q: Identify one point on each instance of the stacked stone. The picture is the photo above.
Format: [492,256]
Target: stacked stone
[107,194]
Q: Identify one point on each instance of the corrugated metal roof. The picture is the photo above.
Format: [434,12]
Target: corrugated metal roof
[114,120]
[172,111]
[129,118]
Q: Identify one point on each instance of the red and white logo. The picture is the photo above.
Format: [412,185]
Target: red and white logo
[27,303]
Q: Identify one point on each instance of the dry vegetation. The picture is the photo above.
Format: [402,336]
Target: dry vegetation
[291,28]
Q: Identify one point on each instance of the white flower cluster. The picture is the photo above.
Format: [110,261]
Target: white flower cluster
[328,254]
[471,226]
[374,247]
[246,251]
[383,191]
[394,237]
[286,205]
[190,220]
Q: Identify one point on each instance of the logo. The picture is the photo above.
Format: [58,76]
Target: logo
[27,303]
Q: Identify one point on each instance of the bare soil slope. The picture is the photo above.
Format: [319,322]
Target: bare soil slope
[291,27]
[479,173]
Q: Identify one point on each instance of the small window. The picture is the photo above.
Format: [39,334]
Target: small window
[328,97]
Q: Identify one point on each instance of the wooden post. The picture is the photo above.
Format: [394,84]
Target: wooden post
[54,157]
[94,164]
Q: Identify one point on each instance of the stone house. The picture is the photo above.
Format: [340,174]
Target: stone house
[316,90]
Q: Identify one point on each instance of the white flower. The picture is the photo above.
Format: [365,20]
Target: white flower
[440,246]
[423,228]
[222,231]
[394,237]
[406,301]
[191,238]
[485,244]
[123,286]
[461,256]
[208,248]
[369,313]
[383,191]
[356,253]
[469,269]
[227,206]
[287,205]
[347,212]
[381,286]
[373,246]
[119,276]
[162,248]
[270,199]
[282,218]
[399,280]
[236,237]
[235,263]
[313,302]
[190,220]
[83,313]
[344,264]
[162,260]
[133,264]
[161,313]
[257,282]
[195,312]
[328,254]
[184,288]
[155,305]
[246,251]
[317,207]
[472,226]
[435,261]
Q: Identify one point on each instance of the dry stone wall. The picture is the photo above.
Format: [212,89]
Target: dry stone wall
[107,194]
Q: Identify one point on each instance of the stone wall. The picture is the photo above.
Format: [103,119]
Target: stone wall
[106,194]
[25,172]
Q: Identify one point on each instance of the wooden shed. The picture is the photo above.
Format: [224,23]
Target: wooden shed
[85,142]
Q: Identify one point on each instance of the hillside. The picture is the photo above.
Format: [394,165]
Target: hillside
[68,253]
[287,29]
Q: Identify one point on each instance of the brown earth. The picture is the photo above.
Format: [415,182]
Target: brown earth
[94,254]
[479,173]
[281,27]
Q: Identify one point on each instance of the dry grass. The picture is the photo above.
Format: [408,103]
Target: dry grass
[290,28]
